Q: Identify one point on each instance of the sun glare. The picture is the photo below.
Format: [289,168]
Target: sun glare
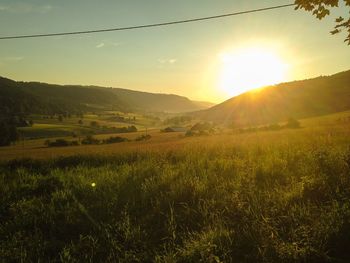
[250,68]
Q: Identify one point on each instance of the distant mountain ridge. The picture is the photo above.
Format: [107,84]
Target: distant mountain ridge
[297,99]
[158,102]
[36,97]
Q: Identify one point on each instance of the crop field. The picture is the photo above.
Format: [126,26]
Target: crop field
[271,196]
[45,127]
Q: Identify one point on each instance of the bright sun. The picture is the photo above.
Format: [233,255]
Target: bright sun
[250,68]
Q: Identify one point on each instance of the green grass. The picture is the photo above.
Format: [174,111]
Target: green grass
[46,130]
[268,197]
[50,128]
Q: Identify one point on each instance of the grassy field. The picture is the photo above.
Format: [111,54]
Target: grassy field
[45,127]
[271,196]
[326,127]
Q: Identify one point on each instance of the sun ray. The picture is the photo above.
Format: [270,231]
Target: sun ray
[250,68]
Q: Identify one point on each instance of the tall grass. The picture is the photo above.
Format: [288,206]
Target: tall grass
[261,202]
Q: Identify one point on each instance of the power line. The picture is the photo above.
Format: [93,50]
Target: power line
[147,25]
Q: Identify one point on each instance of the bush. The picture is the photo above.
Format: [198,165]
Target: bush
[167,129]
[116,139]
[94,124]
[293,123]
[202,126]
[143,137]
[88,140]
[178,120]
[61,143]
[126,129]
[189,133]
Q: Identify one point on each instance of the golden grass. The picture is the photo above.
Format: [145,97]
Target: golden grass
[338,134]
[328,129]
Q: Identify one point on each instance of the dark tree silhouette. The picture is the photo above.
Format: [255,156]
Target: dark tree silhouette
[321,9]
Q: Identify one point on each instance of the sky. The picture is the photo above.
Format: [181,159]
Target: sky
[184,59]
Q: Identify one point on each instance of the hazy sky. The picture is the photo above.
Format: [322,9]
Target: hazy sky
[182,59]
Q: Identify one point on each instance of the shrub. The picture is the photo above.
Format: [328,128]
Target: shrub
[61,143]
[90,140]
[178,120]
[167,129]
[189,133]
[202,126]
[125,129]
[293,123]
[94,124]
[116,139]
[143,137]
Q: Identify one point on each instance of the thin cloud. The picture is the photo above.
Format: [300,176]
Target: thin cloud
[167,61]
[10,60]
[100,45]
[107,43]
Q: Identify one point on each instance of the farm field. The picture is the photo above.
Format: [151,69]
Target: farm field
[45,127]
[329,127]
[269,196]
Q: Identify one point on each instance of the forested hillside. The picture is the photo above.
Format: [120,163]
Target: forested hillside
[43,98]
[297,99]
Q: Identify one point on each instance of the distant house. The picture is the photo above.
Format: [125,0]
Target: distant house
[174,129]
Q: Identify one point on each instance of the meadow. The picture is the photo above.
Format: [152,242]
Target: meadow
[51,127]
[271,196]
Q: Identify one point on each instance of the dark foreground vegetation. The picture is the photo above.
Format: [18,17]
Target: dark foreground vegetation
[238,203]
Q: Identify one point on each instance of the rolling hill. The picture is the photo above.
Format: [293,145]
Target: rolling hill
[156,102]
[35,97]
[297,99]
